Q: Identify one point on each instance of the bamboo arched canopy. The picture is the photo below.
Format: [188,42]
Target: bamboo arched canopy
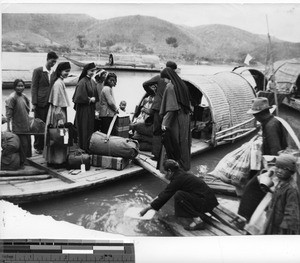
[287,74]
[229,97]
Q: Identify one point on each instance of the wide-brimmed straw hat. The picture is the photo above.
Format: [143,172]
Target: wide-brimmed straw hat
[259,104]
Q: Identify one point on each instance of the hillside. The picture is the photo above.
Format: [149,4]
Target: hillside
[139,34]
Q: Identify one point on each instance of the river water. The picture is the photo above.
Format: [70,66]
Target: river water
[103,208]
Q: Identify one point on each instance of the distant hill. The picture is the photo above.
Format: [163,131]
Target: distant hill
[139,34]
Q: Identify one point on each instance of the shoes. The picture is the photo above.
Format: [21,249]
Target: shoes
[200,226]
[38,151]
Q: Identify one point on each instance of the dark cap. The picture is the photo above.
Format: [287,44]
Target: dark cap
[171,64]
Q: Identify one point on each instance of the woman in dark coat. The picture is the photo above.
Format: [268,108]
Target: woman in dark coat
[84,99]
[17,114]
[175,111]
[192,196]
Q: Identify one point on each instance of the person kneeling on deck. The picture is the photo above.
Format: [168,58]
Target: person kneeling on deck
[192,196]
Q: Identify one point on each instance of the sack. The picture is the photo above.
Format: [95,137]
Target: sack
[115,146]
[57,137]
[234,168]
[76,159]
[10,143]
[37,126]
[10,162]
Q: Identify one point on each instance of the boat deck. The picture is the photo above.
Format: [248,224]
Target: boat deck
[60,181]
[198,146]
[219,223]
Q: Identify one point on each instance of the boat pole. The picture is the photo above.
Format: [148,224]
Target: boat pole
[272,69]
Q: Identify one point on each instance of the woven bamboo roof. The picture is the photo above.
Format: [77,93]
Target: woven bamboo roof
[229,96]
[286,73]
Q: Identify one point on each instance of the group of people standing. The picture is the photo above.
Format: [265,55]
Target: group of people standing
[50,102]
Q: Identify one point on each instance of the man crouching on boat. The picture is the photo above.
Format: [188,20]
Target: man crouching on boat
[192,196]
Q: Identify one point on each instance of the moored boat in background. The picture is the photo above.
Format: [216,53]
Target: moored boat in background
[220,104]
[125,62]
[287,77]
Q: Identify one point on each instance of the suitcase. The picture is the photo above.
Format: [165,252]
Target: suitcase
[75,159]
[109,162]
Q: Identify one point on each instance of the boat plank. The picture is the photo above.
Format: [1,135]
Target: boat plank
[226,217]
[228,230]
[39,162]
[217,185]
[39,184]
[177,228]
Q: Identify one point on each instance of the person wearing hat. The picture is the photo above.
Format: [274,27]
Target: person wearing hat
[57,114]
[192,196]
[274,140]
[273,132]
[157,92]
[283,212]
[84,98]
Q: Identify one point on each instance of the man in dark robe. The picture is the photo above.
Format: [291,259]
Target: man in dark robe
[175,111]
[274,140]
[160,85]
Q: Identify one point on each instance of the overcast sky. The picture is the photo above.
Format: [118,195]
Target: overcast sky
[283,19]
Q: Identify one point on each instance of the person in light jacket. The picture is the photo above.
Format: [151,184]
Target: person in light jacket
[108,106]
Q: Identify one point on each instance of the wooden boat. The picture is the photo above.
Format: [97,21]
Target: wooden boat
[56,182]
[141,63]
[287,76]
[9,76]
[223,99]
[221,102]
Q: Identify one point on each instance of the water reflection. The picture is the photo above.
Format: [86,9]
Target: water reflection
[103,208]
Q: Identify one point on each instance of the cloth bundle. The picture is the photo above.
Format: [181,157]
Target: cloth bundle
[10,156]
[234,168]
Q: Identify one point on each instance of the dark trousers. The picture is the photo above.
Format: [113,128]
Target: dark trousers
[156,146]
[105,123]
[98,125]
[25,147]
[189,205]
[40,113]
[251,198]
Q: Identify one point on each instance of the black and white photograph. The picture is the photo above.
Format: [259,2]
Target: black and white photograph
[150,132]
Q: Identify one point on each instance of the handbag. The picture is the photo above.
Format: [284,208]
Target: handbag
[57,137]
[76,159]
